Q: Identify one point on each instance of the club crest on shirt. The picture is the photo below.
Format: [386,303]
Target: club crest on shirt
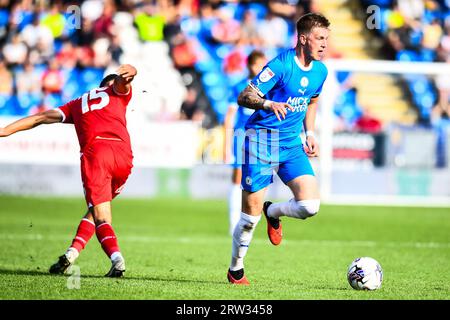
[266,75]
[304,83]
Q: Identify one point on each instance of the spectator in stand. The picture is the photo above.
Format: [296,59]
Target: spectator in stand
[192,107]
[28,81]
[273,31]
[67,56]
[20,15]
[226,29]
[35,33]
[283,8]
[188,7]
[102,56]
[208,18]
[411,9]
[235,62]
[183,52]
[15,52]
[85,35]
[115,49]
[52,79]
[250,35]
[150,23]
[54,20]
[104,24]
[432,34]
[92,9]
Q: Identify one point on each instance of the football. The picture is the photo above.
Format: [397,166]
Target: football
[365,274]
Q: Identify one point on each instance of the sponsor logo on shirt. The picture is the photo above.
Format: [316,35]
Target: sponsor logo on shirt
[300,104]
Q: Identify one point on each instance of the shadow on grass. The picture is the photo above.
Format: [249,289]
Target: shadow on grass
[144,278]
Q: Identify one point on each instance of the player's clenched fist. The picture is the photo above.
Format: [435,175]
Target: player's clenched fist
[127,71]
[279,108]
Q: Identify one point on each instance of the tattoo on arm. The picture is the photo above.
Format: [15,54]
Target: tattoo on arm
[249,98]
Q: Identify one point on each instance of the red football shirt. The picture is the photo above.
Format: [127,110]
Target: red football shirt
[98,114]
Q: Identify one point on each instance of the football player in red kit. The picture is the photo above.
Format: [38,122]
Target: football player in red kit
[106,159]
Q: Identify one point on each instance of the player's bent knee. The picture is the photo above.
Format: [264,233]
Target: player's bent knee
[307,208]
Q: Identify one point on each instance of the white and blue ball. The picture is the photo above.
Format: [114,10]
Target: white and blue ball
[365,273]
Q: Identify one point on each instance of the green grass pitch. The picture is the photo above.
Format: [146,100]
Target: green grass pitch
[179,249]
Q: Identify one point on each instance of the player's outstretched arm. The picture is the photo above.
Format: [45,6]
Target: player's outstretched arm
[126,74]
[46,117]
[249,98]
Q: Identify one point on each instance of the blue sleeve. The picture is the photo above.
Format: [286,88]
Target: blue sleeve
[269,77]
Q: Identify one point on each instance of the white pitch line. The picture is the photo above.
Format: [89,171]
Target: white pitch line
[227,240]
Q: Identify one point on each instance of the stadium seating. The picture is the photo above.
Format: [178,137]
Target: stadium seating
[422,89]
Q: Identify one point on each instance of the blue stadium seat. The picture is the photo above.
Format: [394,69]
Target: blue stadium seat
[4,17]
[25,102]
[223,50]
[427,55]
[27,18]
[53,100]
[212,79]
[259,9]
[205,65]
[190,27]
[419,86]
[380,3]
[220,107]
[5,108]
[72,90]
[425,102]
[217,93]
[91,77]
[407,55]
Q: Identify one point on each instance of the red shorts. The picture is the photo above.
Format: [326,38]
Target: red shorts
[105,167]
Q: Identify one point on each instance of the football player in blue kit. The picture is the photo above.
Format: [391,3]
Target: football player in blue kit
[234,126]
[284,96]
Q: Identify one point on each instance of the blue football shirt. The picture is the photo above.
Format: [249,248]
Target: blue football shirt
[285,79]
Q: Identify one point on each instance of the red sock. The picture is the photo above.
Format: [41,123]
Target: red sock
[85,231]
[107,238]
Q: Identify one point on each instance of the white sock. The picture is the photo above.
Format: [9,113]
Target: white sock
[116,255]
[242,236]
[234,206]
[72,254]
[296,209]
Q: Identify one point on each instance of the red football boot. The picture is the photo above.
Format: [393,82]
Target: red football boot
[274,230]
[241,281]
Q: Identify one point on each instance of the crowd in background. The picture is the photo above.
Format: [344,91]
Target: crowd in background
[419,30]
[48,57]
